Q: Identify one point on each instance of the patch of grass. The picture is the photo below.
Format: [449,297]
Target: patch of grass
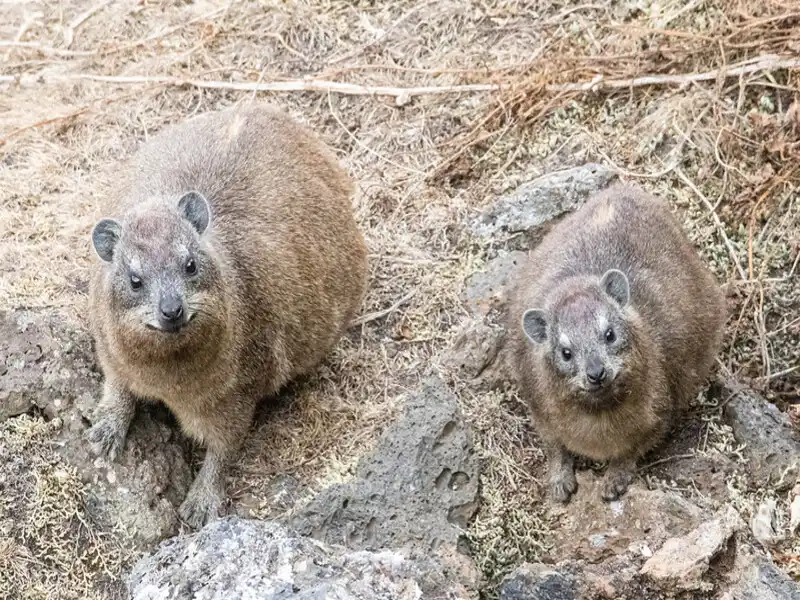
[423,168]
[49,547]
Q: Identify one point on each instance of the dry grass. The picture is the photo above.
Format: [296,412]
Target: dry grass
[48,547]
[726,151]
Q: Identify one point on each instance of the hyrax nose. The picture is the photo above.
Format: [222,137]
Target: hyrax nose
[595,372]
[596,375]
[171,309]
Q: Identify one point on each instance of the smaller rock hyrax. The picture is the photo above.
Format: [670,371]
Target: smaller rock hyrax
[231,263]
[616,325]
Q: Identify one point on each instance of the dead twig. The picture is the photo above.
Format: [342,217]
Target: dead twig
[69,32]
[717,221]
[297,85]
[402,94]
[365,146]
[666,459]
[379,314]
[752,223]
[30,20]
[49,50]
[71,115]
[761,63]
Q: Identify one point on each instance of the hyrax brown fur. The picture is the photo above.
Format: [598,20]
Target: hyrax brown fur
[231,263]
[615,325]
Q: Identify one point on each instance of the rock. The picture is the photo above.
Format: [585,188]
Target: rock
[763,524]
[42,365]
[280,495]
[681,562]
[141,490]
[639,522]
[539,582]
[50,367]
[772,445]
[489,289]
[416,492]
[615,579]
[238,559]
[475,349]
[537,202]
[794,511]
[476,352]
[760,579]
[707,559]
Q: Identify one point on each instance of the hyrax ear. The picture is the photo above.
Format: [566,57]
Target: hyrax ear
[534,324]
[105,235]
[195,208]
[615,284]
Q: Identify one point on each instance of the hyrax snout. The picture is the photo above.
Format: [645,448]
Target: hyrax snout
[587,335]
[615,325]
[156,265]
[230,263]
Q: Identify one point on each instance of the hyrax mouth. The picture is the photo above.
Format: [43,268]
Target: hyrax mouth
[169,328]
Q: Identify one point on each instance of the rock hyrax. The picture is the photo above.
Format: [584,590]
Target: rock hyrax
[231,263]
[616,323]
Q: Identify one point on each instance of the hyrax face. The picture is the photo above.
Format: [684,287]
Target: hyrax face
[162,283]
[584,337]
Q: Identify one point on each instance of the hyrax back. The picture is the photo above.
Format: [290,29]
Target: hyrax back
[616,323]
[231,263]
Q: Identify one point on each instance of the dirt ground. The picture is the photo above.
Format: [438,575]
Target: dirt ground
[83,82]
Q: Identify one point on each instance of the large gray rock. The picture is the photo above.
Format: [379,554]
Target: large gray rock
[477,352]
[47,365]
[415,492]
[772,444]
[237,559]
[540,201]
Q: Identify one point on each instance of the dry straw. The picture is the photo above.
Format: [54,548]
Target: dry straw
[436,108]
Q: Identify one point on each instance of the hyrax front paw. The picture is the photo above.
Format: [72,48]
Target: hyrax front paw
[107,437]
[562,485]
[200,506]
[616,483]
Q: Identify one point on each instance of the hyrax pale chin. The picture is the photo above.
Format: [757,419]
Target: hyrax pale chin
[230,264]
[615,325]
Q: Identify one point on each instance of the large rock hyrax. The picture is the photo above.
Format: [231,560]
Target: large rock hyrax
[615,325]
[231,263]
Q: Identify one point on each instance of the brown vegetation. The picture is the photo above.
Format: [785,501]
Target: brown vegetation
[697,101]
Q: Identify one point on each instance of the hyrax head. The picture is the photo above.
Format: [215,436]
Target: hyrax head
[584,336]
[161,280]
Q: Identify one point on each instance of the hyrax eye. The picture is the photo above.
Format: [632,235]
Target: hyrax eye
[610,335]
[566,354]
[136,283]
[191,267]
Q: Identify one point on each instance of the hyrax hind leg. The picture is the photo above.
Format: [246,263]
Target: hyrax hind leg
[561,469]
[112,419]
[223,433]
[618,477]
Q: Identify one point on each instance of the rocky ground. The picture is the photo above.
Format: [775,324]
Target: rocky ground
[406,461]
[399,527]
